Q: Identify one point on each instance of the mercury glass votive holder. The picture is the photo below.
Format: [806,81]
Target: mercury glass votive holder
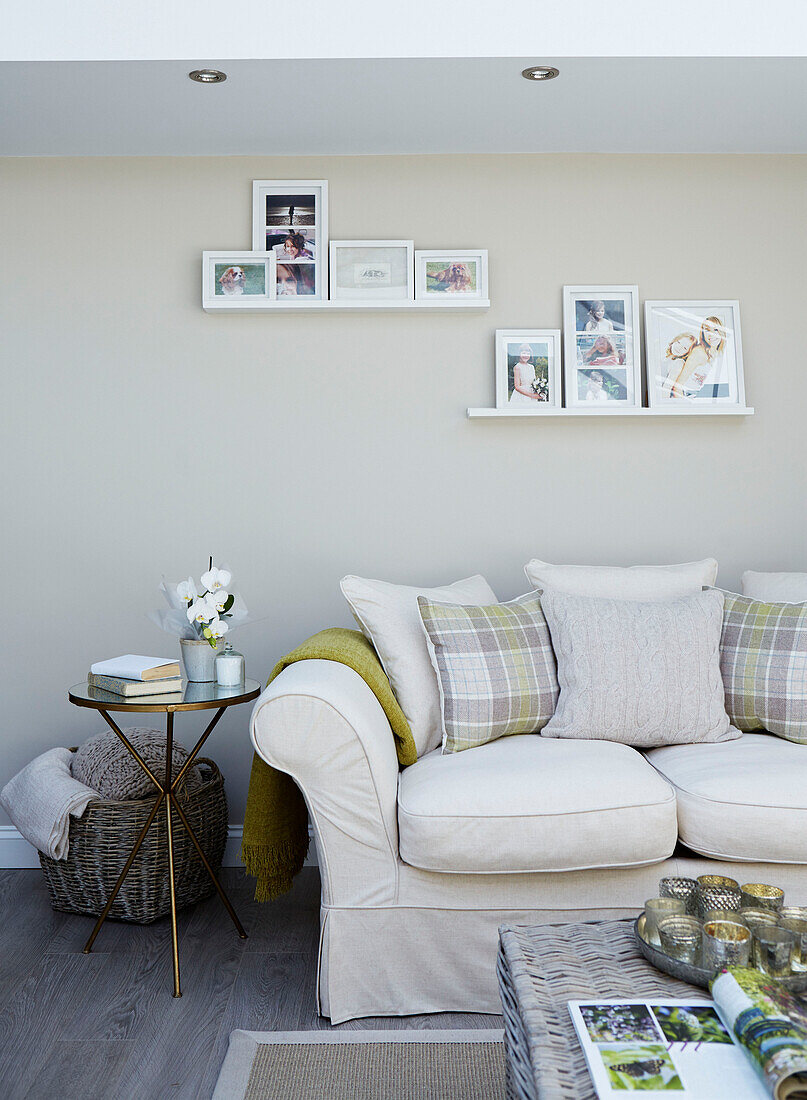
[683,888]
[799,929]
[758,918]
[735,915]
[774,949]
[793,912]
[717,896]
[762,896]
[656,909]
[725,943]
[681,938]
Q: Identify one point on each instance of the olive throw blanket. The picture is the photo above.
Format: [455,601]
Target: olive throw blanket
[275,839]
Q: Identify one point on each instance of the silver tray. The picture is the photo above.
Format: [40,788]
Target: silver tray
[695,975]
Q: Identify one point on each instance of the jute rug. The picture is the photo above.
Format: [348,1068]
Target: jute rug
[363,1065]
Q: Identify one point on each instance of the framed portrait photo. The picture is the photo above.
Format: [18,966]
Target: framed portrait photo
[694,353]
[237,280]
[451,275]
[290,219]
[528,369]
[601,353]
[372,270]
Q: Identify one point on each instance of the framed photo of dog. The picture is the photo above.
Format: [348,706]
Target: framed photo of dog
[238,280]
[290,219]
[451,275]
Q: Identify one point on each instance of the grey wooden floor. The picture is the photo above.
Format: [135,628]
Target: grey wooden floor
[105,1026]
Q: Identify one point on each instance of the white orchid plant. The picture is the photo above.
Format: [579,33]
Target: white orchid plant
[204,612]
[208,610]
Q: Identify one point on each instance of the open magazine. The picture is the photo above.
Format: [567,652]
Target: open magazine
[749,1042]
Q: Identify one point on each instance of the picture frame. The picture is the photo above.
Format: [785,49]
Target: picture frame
[461,274]
[372,270]
[238,280]
[602,370]
[693,352]
[290,219]
[534,354]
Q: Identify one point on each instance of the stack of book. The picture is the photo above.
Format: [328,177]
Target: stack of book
[133,675]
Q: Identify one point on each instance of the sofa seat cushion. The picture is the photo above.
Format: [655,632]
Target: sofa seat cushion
[524,803]
[742,800]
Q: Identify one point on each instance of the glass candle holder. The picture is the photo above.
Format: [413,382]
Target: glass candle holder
[681,938]
[774,948]
[732,915]
[798,926]
[717,880]
[793,912]
[655,909]
[683,888]
[229,667]
[754,918]
[717,896]
[725,943]
[762,896]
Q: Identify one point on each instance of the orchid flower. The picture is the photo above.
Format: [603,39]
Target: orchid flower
[218,599]
[186,590]
[201,611]
[215,578]
[218,628]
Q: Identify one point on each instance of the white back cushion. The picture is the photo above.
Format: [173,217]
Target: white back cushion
[775,587]
[636,582]
[389,617]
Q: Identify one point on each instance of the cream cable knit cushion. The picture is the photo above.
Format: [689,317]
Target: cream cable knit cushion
[104,763]
[645,674]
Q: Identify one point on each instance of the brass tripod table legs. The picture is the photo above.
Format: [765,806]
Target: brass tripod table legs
[167,795]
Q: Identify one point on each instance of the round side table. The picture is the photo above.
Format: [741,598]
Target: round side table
[206,696]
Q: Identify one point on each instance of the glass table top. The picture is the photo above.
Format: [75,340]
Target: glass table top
[193,696]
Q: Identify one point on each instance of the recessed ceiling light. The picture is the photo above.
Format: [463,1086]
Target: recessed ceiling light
[540,72]
[207,76]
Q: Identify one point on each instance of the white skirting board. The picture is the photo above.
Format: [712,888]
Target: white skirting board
[15,852]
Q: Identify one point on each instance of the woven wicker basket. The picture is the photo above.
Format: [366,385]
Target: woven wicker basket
[102,838]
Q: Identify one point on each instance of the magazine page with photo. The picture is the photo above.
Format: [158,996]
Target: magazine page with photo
[663,1047]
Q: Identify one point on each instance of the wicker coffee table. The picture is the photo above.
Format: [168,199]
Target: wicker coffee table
[540,969]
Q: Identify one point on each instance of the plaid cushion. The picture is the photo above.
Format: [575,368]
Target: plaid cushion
[763,659]
[495,666]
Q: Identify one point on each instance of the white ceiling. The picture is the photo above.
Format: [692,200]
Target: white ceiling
[423,105]
[97,30]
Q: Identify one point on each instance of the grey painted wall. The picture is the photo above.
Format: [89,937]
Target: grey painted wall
[140,434]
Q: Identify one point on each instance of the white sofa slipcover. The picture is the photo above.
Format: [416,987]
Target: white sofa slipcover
[742,800]
[396,939]
[528,803]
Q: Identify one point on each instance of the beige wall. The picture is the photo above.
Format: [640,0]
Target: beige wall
[140,434]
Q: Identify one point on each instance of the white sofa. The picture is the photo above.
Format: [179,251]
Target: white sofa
[420,867]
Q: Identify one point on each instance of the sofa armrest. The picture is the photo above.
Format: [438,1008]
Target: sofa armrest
[320,722]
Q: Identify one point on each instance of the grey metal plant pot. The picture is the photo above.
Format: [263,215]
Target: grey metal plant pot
[199,659]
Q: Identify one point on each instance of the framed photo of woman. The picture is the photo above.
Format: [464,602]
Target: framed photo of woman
[528,369]
[694,353]
[602,360]
[290,219]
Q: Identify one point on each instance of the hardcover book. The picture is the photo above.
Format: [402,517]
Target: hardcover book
[132,666]
[134,688]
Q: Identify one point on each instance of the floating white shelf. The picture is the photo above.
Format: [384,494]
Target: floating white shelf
[689,410]
[294,305]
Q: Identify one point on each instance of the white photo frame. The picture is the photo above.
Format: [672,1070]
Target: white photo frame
[451,274]
[602,369]
[293,208]
[540,370]
[693,351]
[233,280]
[371,270]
